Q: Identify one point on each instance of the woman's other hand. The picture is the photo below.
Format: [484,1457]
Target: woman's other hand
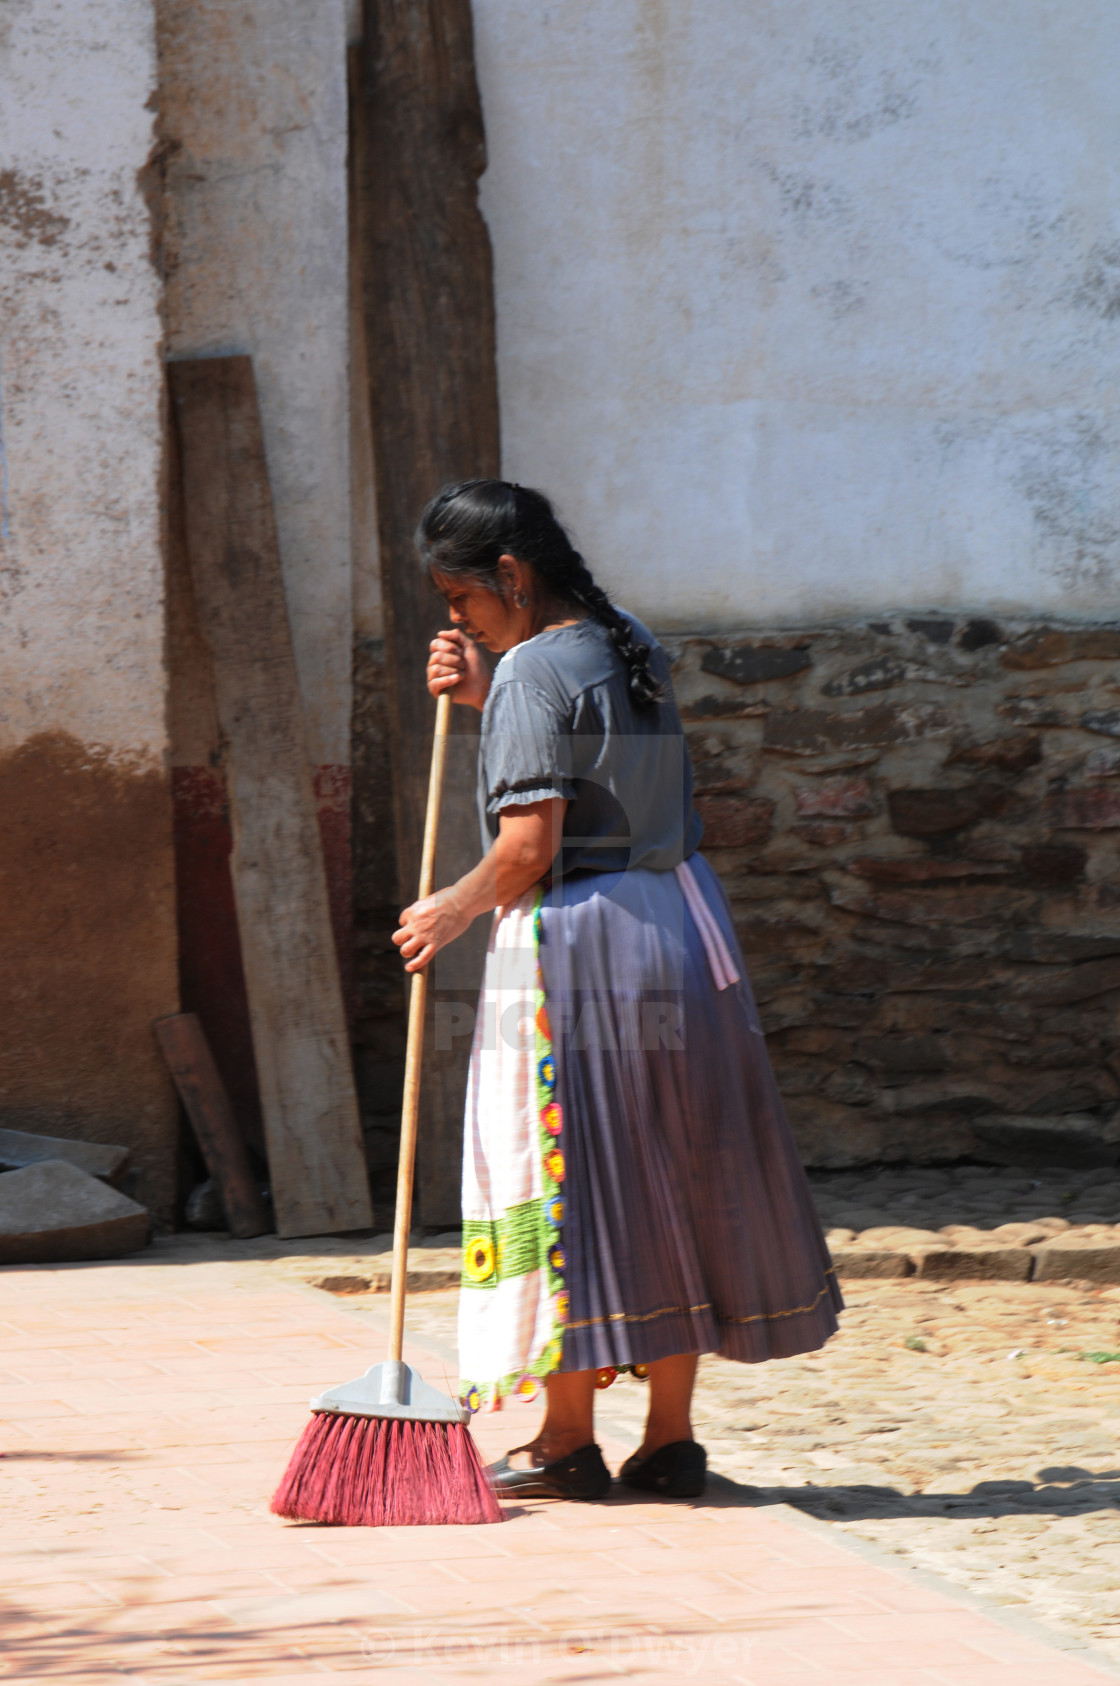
[429,925]
[456,665]
[528,838]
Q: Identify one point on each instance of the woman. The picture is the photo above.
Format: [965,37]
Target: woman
[632,1196]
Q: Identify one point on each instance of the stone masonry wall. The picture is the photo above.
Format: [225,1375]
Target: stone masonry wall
[915,820]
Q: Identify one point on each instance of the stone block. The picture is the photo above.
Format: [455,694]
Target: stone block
[204,1211]
[877,675]
[898,1055]
[976,1264]
[826,834]
[1059,948]
[937,812]
[1106,720]
[730,822]
[1033,711]
[938,629]
[1052,646]
[1083,1261]
[926,869]
[715,769]
[723,708]
[1054,863]
[901,1237]
[1060,986]
[979,634]
[430,1268]
[1102,764]
[1019,1234]
[52,1212]
[814,731]
[97,1159]
[835,798]
[751,664]
[1095,809]
[856,1263]
[1011,754]
[961,907]
[340,1284]
[1074,1140]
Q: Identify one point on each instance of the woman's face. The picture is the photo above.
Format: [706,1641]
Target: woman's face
[492,620]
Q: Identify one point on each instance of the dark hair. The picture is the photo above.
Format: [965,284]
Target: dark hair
[467,527]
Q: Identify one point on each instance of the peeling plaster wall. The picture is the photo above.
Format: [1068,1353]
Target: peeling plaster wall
[88,956]
[809,308]
[253,115]
[253,125]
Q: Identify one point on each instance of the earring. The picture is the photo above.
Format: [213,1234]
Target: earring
[521,600]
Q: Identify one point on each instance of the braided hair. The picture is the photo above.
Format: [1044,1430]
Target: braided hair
[467,527]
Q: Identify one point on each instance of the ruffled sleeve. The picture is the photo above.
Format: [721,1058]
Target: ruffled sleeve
[525,750]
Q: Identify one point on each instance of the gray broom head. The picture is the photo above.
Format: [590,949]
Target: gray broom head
[393,1389]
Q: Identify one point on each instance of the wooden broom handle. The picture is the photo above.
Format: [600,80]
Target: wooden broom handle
[410,1105]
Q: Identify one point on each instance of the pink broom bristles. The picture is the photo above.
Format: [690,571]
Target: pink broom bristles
[379,1472]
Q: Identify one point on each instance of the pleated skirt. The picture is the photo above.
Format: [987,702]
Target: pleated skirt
[687,1223]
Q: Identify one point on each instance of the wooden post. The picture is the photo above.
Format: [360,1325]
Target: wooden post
[202,1092]
[429,313]
[312,1128]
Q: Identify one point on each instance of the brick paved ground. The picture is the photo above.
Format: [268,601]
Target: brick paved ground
[150,1406]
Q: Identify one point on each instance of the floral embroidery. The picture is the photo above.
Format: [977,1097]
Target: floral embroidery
[471,1398]
[534,1242]
[479,1259]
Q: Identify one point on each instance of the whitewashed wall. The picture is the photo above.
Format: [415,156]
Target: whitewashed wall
[810,308]
[81,564]
[254,119]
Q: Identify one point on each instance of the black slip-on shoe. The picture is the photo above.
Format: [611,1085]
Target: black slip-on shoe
[581,1475]
[678,1471]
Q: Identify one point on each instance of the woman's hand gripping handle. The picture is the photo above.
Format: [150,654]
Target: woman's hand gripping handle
[455,665]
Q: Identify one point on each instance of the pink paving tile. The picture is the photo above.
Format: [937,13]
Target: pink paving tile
[30,1573]
[894,1627]
[64,1595]
[1057,1672]
[557,1542]
[211,1430]
[852,1658]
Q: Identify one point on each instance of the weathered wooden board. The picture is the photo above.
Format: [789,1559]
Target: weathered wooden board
[429,310]
[203,1094]
[312,1127]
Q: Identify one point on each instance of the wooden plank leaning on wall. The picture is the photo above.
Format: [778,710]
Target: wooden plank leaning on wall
[312,1130]
[427,281]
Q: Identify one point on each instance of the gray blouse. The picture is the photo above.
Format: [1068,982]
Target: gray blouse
[560,722]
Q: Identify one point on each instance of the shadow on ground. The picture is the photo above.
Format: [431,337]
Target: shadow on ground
[1066,1491]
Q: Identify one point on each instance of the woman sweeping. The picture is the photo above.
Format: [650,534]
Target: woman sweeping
[632,1196]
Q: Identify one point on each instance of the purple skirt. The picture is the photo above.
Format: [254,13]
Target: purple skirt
[689,1222]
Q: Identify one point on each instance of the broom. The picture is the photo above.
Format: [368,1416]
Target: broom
[387,1450]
